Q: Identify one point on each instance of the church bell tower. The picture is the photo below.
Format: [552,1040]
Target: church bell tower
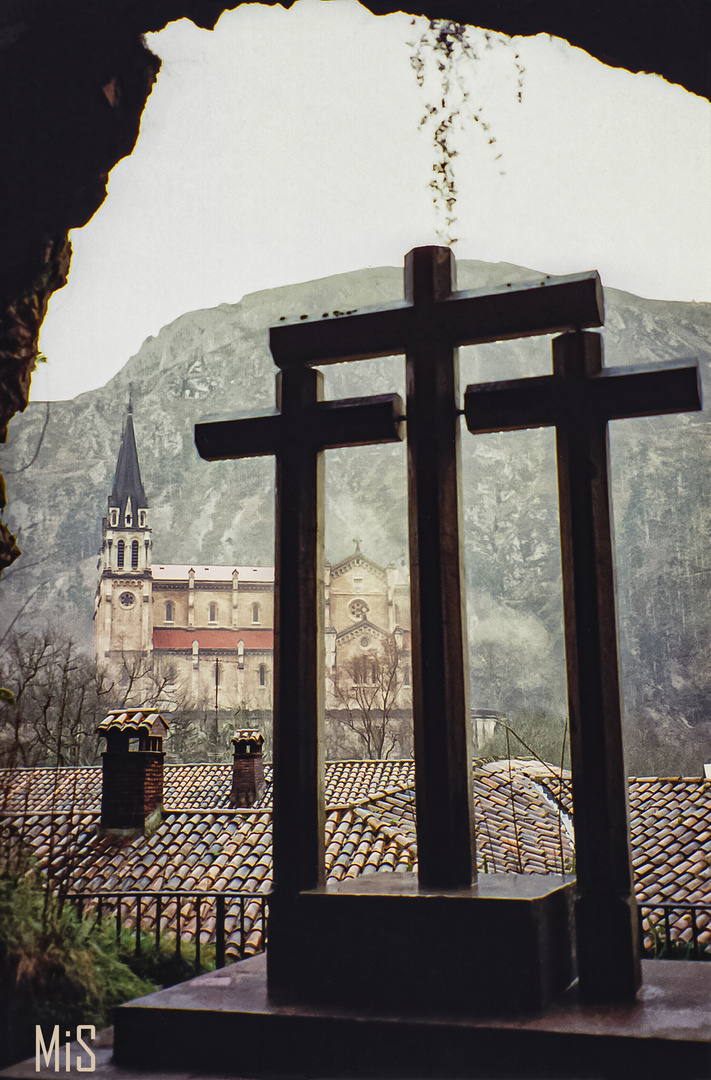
[123,631]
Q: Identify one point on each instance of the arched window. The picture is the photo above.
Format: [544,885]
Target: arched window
[169,612]
[255,618]
[134,555]
[213,612]
[262,675]
[120,554]
[406,675]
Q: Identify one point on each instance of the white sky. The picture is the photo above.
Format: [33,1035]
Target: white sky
[285,146]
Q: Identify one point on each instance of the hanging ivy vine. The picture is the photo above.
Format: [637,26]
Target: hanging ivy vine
[440,58]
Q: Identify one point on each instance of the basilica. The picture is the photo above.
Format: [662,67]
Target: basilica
[202,636]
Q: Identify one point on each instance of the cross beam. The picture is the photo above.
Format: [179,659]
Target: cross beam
[303,427]
[579,399]
[469,317]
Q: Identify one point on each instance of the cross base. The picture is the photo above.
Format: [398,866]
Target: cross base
[380,942]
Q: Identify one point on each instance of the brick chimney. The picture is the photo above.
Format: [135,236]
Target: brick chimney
[248,782]
[132,785]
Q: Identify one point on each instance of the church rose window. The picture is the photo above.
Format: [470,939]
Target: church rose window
[134,555]
[358,610]
[126,599]
[120,554]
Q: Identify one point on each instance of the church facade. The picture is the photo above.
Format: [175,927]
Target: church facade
[201,636]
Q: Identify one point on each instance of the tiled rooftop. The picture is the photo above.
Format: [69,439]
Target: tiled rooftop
[147,720]
[370,825]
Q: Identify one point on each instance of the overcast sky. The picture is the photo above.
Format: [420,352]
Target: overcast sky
[286,145]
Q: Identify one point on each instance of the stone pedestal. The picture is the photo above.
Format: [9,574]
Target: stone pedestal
[379,942]
[223,1022]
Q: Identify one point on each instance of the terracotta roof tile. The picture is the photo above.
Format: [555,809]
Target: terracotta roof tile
[370,825]
[148,720]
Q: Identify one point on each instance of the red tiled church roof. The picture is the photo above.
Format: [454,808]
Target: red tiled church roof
[212,639]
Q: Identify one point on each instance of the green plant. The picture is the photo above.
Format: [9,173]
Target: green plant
[53,968]
[662,947]
[440,54]
[161,965]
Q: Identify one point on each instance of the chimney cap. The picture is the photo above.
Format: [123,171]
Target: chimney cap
[134,720]
[247,735]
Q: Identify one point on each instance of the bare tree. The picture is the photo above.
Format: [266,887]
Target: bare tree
[366,689]
[139,683]
[56,702]
[59,695]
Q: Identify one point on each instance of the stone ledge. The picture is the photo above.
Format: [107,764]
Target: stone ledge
[223,1021]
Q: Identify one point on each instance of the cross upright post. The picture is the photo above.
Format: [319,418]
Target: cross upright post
[445,841]
[579,399]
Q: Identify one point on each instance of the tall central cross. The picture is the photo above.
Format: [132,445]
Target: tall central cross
[428,326]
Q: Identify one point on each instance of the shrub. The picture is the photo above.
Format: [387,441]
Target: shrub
[53,969]
[160,966]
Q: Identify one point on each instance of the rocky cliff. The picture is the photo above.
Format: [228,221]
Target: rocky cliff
[217,361]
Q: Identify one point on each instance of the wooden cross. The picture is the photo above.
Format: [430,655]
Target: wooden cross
[296,434]
[579,399]
[427,327]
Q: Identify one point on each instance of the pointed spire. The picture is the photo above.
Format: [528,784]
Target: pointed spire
[127,491]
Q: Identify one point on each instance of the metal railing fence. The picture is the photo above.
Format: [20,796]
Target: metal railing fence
[675,930]
[236,922]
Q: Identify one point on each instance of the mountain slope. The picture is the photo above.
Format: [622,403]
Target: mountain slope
[217,361]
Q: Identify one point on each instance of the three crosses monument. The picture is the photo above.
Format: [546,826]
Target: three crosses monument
[340,944]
